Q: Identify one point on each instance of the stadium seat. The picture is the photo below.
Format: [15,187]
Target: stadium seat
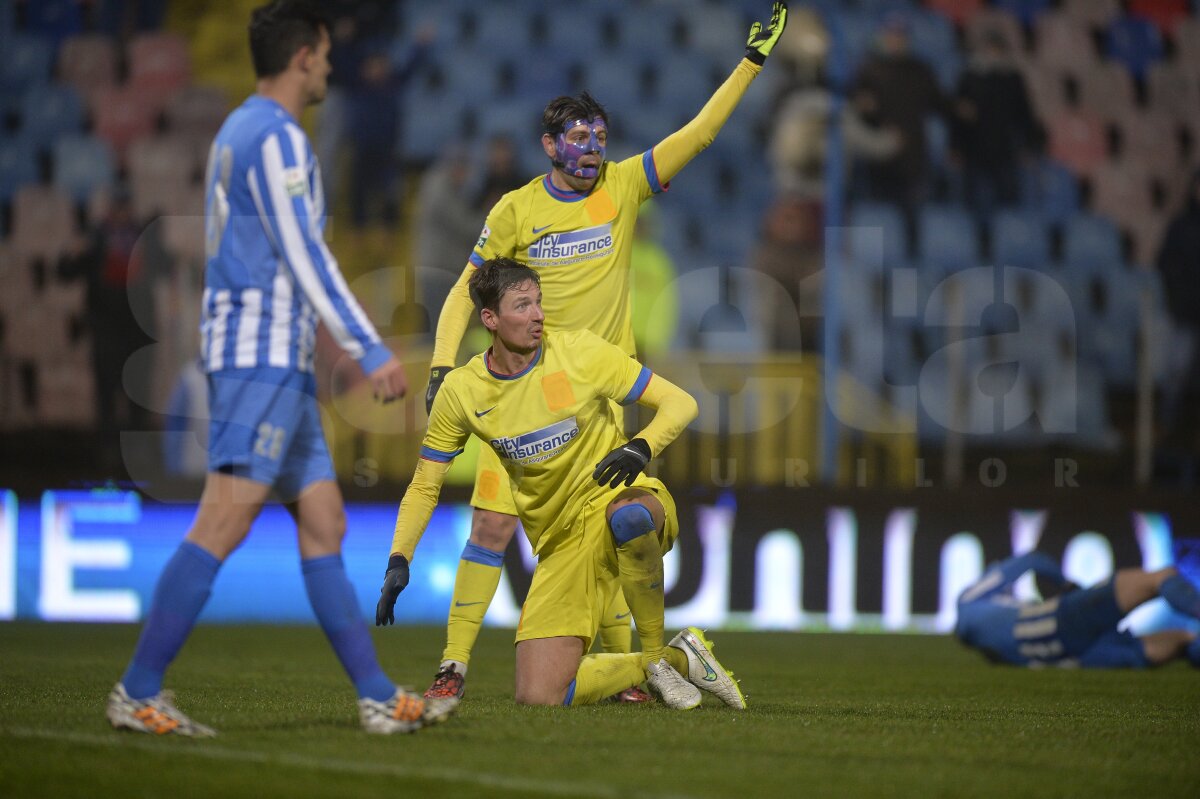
[88,63]
[1075,399]
[875,236]
[1187,43]
[960,12]
[161,170]
[1063,43]
[932,38]
[1173,89]
[18,166]
[1078,140]
[27,61]
[708,33]
[1092,13]
[681,84]
[615,79]
[1163,14]
[648,28]
[1047,88]
[947,239]
[1146,231]
[543,74]
[54,20]
[50,111]
[1152,138]
[471,76]
[1107,90]
[158,65]
[1027,11]
[508,28]
[43,221]
[197,111]
[120,115]
[1091,242]
[1020,238]
[431,120]
[82,164]
[1122,190]
[1135,43]
[1051,190]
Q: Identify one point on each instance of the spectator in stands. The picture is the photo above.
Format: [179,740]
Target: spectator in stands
[653,297]
[119,260]
[790,253]
[896,89]
[502,173]
[1179,263]
[447,221]
[994,126]
[800,136]
[374,122]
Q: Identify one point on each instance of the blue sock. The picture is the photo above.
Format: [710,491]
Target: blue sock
[183,588]
[332,599]
[1181,595]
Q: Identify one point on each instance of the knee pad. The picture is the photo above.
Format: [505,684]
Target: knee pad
[630,521]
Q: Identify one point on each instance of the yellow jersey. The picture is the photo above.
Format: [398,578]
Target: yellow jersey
[550,424]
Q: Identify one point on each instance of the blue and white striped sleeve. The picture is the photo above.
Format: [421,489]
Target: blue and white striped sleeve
[283,194]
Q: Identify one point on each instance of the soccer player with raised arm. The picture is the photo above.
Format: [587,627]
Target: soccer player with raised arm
[544,402]
[268,279]
[1078,626]
[574,226]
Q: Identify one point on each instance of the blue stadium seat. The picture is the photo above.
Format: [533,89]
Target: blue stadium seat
[948,242]
[932,38]
[471,74]
[18,166]
[506,27]
[647,28]
[55,20]
[1020,239]
[27,61]
[1134,42]
[1024,10]
[82,164]
[1049,189]
[1091,242]
[615,79]
[712,32]
[50,111]
[875,236]
[682,84]
[431,120]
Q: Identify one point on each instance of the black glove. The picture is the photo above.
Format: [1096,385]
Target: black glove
[762,40]
[393,583]
[623,464]
[436,375]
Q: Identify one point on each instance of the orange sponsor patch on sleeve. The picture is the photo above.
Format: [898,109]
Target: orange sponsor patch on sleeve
[558,391]
[489,484]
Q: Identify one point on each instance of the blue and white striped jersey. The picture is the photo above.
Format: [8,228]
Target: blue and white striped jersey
[991,619]
[268,274]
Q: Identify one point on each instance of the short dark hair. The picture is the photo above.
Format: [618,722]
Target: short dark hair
[496,276]
[564,109]
[279,29]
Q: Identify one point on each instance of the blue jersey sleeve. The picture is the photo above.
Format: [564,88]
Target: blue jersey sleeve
[1002,575]
[283,192]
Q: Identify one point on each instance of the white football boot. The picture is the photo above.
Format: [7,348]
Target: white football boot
[156,715]
[405,711]
[705,671]
[671,688]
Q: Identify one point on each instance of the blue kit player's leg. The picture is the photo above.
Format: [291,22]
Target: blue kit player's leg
[1086,615]
[1115,650]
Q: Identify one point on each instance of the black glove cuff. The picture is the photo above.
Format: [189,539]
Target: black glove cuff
[755,56]
[641,446]
[397,560]
[438,373]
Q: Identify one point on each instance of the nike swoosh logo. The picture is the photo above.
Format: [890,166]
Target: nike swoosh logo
[484,413]
[710,675]
[465,604]
[655,585]
[538,230]
[624,615]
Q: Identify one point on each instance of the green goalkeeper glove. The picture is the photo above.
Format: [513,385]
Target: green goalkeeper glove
[761,40]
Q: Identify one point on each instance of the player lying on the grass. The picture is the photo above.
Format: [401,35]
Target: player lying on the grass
[268,276]
[1078,626]
[575,226]
[543,401]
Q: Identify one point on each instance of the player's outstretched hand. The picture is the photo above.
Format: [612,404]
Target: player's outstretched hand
[623,464]
[393,583]
[761,40]
[388,382]
[436,375]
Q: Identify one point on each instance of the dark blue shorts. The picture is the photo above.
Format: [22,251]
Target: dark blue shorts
[265,426]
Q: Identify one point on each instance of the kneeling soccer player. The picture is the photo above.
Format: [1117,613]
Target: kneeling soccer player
[541,399]
[1078,627]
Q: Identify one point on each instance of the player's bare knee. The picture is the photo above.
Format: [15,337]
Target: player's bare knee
[492,530]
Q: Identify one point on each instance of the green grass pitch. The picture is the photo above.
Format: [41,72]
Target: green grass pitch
[830,715]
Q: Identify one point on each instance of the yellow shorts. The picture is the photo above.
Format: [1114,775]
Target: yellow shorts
[574,582]
[493,491]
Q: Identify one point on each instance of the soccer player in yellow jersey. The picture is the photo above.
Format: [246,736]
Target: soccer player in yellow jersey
[544,403]
[574,226]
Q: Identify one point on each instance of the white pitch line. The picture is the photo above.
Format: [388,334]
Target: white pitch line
[208,751]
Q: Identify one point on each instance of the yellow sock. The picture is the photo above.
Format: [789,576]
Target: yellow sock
[601,676]
[616,636]
[474,586]
[640,564]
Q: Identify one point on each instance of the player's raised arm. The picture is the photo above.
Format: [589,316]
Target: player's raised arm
[672,153]
[1004,574]
[443,441]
